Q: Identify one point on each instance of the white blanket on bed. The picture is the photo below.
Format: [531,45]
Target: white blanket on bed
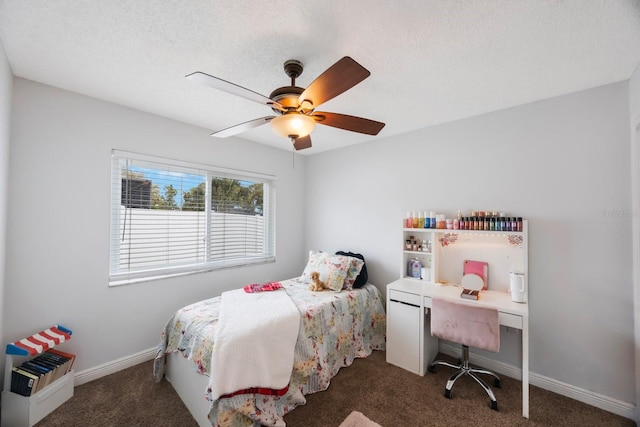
[254,341]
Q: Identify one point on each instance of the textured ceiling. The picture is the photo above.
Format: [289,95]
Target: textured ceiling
[431,61]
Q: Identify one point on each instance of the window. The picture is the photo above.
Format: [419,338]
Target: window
[170,218]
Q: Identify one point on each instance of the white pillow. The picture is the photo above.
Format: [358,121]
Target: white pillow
[313,264]
[333,269]
[353,266]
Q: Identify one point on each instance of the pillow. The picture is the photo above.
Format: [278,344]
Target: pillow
[362,277]
[315,260]
[333,269]
[353,265]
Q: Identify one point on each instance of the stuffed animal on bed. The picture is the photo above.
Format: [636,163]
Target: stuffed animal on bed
[317,284]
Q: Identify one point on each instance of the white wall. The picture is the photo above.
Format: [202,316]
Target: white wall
[6,79]
[634,109]
[562,163]
[58,221]
[634,92]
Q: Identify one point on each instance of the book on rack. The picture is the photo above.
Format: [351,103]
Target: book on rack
[46,371]
[23,382]
[43,360]
[56,361]
[33,375]
[40,374]
[16,380]
[70,358]
[470,294]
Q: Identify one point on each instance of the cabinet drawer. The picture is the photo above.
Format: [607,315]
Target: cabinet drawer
[406,297]
[512,320]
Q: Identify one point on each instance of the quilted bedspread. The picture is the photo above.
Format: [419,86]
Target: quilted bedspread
[335,328]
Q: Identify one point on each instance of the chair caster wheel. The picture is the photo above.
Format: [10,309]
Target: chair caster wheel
[497,383]
[431,369]
[447,394]
[494,405]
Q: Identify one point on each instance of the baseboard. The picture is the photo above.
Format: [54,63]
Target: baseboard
[114,366]
[606,403]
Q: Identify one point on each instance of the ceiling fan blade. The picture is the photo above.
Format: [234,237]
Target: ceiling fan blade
[233,130]
[352,123]
[232,88]
[302,143]
[341,76]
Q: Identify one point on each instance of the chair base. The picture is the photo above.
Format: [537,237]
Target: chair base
[463,368]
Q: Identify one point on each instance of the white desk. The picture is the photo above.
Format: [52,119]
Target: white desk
[412,294]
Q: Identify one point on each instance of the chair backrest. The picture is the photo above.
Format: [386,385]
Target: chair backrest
[473,326]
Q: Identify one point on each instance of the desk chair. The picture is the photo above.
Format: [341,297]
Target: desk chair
[469,325]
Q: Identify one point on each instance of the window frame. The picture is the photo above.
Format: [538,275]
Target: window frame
[119,276]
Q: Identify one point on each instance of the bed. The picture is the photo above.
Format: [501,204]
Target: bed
[335,327]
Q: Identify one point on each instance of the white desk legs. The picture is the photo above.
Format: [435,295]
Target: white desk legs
[525,367]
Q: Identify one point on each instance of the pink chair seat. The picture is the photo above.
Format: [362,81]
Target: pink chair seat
[469,325]
[473,326]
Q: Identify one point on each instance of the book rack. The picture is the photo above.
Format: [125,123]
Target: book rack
[19,410]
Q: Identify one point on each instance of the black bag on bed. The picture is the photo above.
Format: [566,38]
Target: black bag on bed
[363,277]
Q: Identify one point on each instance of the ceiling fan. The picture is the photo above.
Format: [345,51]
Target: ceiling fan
[294,107]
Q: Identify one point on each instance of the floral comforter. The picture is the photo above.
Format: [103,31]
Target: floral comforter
[336,328]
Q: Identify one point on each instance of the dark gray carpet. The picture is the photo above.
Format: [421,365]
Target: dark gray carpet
[384,393]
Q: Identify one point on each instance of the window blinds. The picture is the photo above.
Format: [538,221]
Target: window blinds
[170,217]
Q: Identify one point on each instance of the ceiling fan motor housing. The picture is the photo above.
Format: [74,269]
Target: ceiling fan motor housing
[287,96]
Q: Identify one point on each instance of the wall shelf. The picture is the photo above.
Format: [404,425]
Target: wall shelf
[454,231]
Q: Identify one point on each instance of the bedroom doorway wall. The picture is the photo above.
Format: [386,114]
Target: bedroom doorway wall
[635,200]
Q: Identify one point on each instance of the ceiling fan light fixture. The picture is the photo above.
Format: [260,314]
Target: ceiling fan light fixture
[293,125]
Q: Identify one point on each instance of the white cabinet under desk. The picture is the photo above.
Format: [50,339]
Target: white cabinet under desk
[409,341]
